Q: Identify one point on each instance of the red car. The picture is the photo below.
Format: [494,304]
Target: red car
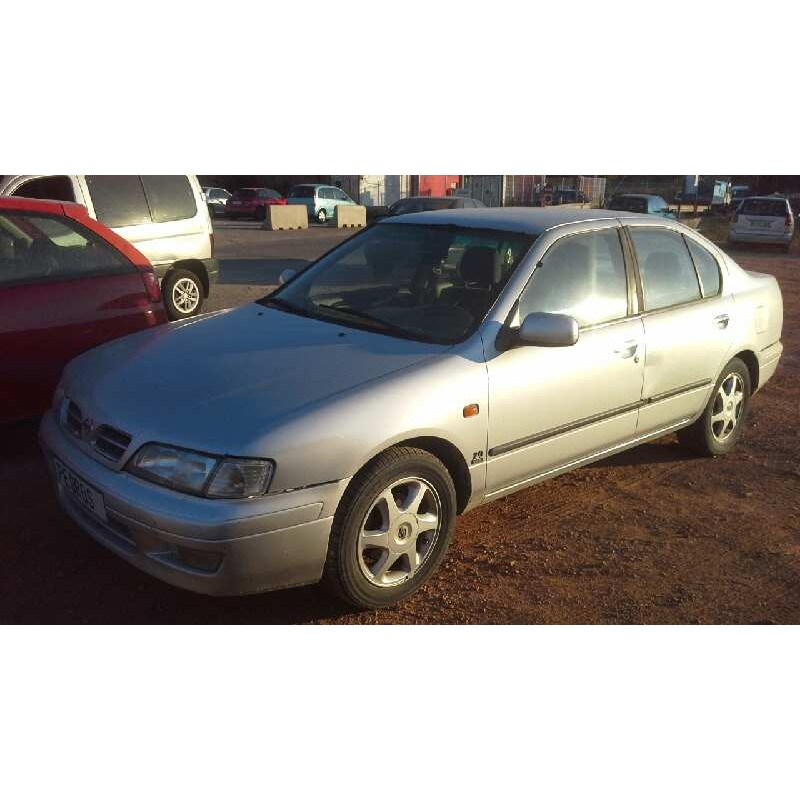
[252,203]
[67,283]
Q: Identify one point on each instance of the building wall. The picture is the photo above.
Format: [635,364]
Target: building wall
[437,185]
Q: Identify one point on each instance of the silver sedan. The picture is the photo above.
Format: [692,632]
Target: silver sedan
[436,361]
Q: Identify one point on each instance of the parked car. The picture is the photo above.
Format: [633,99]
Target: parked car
[163,216]
[567,196]
[763,219]
[253,203]
[412,205]
[67,283]
[216,200]
[320,200]
[641,204]
[433,362]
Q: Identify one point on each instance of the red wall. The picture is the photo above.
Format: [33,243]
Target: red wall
[438,185]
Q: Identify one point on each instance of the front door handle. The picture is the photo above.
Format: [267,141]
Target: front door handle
[722,320]
[627,349]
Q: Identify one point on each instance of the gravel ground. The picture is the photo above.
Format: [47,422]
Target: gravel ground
[651,535]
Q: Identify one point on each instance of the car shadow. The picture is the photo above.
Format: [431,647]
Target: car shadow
[256,271]
[661,451]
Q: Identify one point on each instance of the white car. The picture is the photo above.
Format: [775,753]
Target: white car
[163,216]
[763,219]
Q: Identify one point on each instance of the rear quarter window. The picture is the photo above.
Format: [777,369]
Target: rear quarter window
[707,268]
[170,197]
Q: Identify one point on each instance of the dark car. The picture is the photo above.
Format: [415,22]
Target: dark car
[252,203]
[411,205]
[562,197]
[67,284]
[641,204]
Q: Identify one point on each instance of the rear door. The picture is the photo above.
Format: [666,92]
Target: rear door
[63,290]
[686,318]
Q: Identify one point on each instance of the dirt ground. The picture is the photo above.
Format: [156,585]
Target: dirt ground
[652,535]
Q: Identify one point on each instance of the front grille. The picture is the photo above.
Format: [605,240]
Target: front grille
[110,442]
[73,418]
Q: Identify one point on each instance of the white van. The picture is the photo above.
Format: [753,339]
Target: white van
[164,216]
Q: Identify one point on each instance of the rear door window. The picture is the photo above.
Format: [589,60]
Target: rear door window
[665,267]
[42,247]
[170,197]
[302,191]
[119,200]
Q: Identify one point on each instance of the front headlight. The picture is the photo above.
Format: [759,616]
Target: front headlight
[201,474]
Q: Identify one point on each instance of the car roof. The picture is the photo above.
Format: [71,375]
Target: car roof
[514,219]
[18,203]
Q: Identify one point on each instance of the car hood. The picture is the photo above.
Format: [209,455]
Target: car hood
[217,382]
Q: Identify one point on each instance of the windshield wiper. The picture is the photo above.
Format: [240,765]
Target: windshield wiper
[284,305]
[363,315]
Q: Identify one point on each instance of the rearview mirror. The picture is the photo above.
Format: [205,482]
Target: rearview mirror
[286,276]
[548,330]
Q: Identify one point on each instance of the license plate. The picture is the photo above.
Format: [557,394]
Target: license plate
[757,223]
[86,495]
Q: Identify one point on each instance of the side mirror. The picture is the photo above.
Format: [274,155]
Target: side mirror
[286,276]
[548,330]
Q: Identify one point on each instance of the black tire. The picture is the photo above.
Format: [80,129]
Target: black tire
[344,574]
[261,214]
[173,277]
[322,216]
[700,437]
[786,247]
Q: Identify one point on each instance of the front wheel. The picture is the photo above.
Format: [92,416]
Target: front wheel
[183,294]
[392,528]
[720,425]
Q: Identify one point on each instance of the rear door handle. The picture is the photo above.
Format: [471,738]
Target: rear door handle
[627,349]
[722,320]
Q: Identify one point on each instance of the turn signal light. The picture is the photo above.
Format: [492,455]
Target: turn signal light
[471,410]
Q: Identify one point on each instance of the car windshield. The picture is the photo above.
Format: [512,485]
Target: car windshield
[244,194]
[763,208]
[302,191]
[431,283]
[636,205]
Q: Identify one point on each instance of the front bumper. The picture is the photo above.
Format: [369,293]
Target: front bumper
[244,546]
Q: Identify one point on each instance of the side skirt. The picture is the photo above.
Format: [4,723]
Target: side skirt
[568,467]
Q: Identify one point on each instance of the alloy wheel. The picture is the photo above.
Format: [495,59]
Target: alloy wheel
[185,295]
[399,531]
[728,406]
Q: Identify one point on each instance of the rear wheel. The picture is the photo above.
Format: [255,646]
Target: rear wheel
[183,294]
[261,213]
[392,528]
[322,216]
[720,425]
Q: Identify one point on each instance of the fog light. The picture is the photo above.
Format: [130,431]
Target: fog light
[202,560]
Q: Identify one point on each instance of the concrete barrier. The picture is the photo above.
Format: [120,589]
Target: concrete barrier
[350,216]
[285,218]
